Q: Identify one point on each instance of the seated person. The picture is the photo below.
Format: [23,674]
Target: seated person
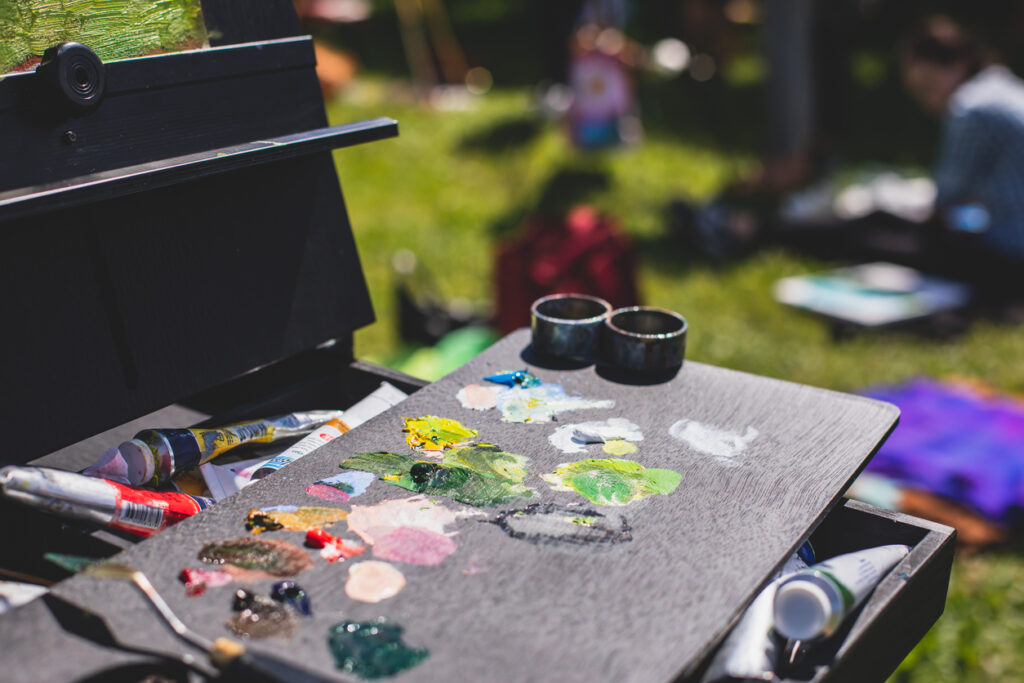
[979,175]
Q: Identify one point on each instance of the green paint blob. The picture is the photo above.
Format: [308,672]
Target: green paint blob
[277,558]
[611,481]
[482,475]
[371,649]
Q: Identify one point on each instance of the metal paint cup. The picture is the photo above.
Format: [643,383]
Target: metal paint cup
[644,339]
[568,325]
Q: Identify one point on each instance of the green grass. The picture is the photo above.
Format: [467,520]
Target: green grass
[429,192]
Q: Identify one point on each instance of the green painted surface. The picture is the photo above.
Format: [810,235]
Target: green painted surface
[484,475]
[611,481]
[114,29]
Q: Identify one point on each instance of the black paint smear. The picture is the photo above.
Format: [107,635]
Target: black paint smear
[528,524]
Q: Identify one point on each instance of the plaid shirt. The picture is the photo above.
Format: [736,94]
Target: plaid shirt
[981,159]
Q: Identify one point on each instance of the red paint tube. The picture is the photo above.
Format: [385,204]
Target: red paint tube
[139,511]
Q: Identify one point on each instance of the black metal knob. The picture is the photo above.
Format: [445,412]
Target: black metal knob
[73,76]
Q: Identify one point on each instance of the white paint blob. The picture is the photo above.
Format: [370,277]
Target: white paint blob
[572,438]
[724,445]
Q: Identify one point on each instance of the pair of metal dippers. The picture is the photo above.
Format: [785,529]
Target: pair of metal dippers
[582,328]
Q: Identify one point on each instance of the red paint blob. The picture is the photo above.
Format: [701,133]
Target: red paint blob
[335,548]
[413,545]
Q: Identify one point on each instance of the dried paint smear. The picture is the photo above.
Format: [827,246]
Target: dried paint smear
[264,618]
[368,521]
[371,649]
[373,581]
[722,444]
[541,403]
[292,518]
[408,530]
[573,438]
[612,481]
[573,524]
[276,558]
[432,434]
[71,563]
[341,487]
[414,546]
[478,397]
[481,475]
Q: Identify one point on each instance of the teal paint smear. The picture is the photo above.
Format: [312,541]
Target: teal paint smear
[481,475]
[372,649]
[611,481]
[72,563]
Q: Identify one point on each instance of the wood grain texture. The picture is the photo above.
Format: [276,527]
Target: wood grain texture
[647,610]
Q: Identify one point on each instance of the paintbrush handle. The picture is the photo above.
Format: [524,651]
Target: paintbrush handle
[237,664]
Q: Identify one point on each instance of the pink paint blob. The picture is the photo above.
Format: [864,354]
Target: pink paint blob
[478,397]
[327,493]
[373,581]
[198,580]
[414,546]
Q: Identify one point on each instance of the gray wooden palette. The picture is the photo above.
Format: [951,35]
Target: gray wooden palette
[505,609]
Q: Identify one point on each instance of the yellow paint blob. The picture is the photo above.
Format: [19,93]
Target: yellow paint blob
[618,447]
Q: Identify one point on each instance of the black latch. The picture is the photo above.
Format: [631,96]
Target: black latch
[72,76]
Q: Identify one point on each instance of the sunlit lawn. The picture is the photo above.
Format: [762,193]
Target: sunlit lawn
[426,192]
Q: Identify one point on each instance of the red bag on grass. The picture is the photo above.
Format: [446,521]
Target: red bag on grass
[584,253]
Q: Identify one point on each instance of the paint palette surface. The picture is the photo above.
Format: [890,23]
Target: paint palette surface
[606,571]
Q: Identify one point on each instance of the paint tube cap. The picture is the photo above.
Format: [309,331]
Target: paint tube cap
[804,610]
[140,463]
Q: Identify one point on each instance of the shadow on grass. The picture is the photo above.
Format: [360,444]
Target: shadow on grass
[503,136]
[567,187]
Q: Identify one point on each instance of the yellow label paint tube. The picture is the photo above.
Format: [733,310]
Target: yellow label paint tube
[814,601]
[154,456]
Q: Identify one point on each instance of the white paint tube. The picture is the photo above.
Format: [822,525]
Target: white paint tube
[750,651]
[814,601]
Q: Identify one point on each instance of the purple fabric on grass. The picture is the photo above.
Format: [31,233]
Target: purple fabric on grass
[956,443]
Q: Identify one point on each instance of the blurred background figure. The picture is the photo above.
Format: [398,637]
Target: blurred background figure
[979,176]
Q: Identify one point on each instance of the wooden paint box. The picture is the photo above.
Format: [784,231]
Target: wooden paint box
[185,255]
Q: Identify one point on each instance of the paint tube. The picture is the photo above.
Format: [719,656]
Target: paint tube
[382,398]
[156,455]
[15,594]
[815,601]
[326,434]
[107,503]
[750,651]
